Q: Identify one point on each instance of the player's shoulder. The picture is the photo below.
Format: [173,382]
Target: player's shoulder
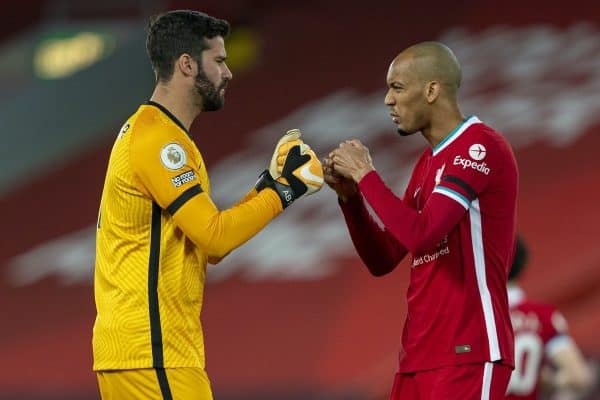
[482,142]
[479,132]
[149,121]
[154,127]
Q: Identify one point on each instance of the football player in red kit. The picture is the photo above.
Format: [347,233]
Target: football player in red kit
[456,218]
[541,339]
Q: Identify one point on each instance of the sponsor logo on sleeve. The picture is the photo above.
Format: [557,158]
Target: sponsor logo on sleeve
[183,178]
[466,163]
[173,156]
[477,152]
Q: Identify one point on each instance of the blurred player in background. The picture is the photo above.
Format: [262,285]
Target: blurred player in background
[456,218]
[158,227]
[544,351]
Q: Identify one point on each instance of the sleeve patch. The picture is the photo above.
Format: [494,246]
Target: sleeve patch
[477,152]
[183,178]
[173,156]
[470,164]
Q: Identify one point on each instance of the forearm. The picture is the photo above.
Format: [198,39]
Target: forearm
[379,251]
[417,231]
[248,196]
[219,232]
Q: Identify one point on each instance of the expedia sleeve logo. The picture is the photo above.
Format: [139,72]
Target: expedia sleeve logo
[477,152]
[184,178]
[466,163]
[173,156]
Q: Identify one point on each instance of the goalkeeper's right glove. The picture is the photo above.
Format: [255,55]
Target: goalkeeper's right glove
[301,175]
[282,148]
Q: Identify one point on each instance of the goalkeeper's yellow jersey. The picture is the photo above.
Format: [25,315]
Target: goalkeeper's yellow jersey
[157,229]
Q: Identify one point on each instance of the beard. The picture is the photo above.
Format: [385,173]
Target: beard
[404,133]
[212,100]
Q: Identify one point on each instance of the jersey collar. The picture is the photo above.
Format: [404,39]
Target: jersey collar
[168,114]
[456,132]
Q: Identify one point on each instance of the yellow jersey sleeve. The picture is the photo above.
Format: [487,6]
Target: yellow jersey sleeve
[167,168]
[249,196]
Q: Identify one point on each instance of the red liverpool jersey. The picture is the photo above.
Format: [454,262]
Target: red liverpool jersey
[540,331]
[457,219]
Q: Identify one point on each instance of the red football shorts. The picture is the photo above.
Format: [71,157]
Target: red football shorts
[486,381]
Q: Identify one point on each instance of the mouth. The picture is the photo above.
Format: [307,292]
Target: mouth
[395,118]
[222,89]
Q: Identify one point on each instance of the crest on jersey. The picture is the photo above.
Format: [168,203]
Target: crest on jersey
[173,156]
[438,175]
[477,152]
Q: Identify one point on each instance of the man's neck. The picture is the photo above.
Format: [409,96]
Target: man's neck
[178,104]
[442,124]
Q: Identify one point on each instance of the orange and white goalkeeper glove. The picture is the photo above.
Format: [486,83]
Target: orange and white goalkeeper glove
[295,170]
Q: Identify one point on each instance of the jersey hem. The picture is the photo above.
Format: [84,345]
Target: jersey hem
[409,369]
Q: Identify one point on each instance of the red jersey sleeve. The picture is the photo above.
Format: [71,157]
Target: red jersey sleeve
[417,231]
[377,248]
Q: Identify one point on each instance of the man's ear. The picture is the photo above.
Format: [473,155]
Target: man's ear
[186,65]
[432,91]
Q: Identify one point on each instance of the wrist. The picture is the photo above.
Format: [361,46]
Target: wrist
[285,192]
[347,196]
[360,174]
[343,198]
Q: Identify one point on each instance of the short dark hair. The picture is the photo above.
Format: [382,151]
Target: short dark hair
[520,260]
[174,33]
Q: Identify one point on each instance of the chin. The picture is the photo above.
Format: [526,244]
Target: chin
[402,132]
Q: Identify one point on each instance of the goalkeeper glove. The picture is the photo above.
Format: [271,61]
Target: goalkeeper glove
[295,170]
[282,148]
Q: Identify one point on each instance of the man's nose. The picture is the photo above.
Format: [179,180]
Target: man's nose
[227,75]
[389,99]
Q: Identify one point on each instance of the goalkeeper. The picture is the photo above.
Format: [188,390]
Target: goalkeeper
[158,227]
